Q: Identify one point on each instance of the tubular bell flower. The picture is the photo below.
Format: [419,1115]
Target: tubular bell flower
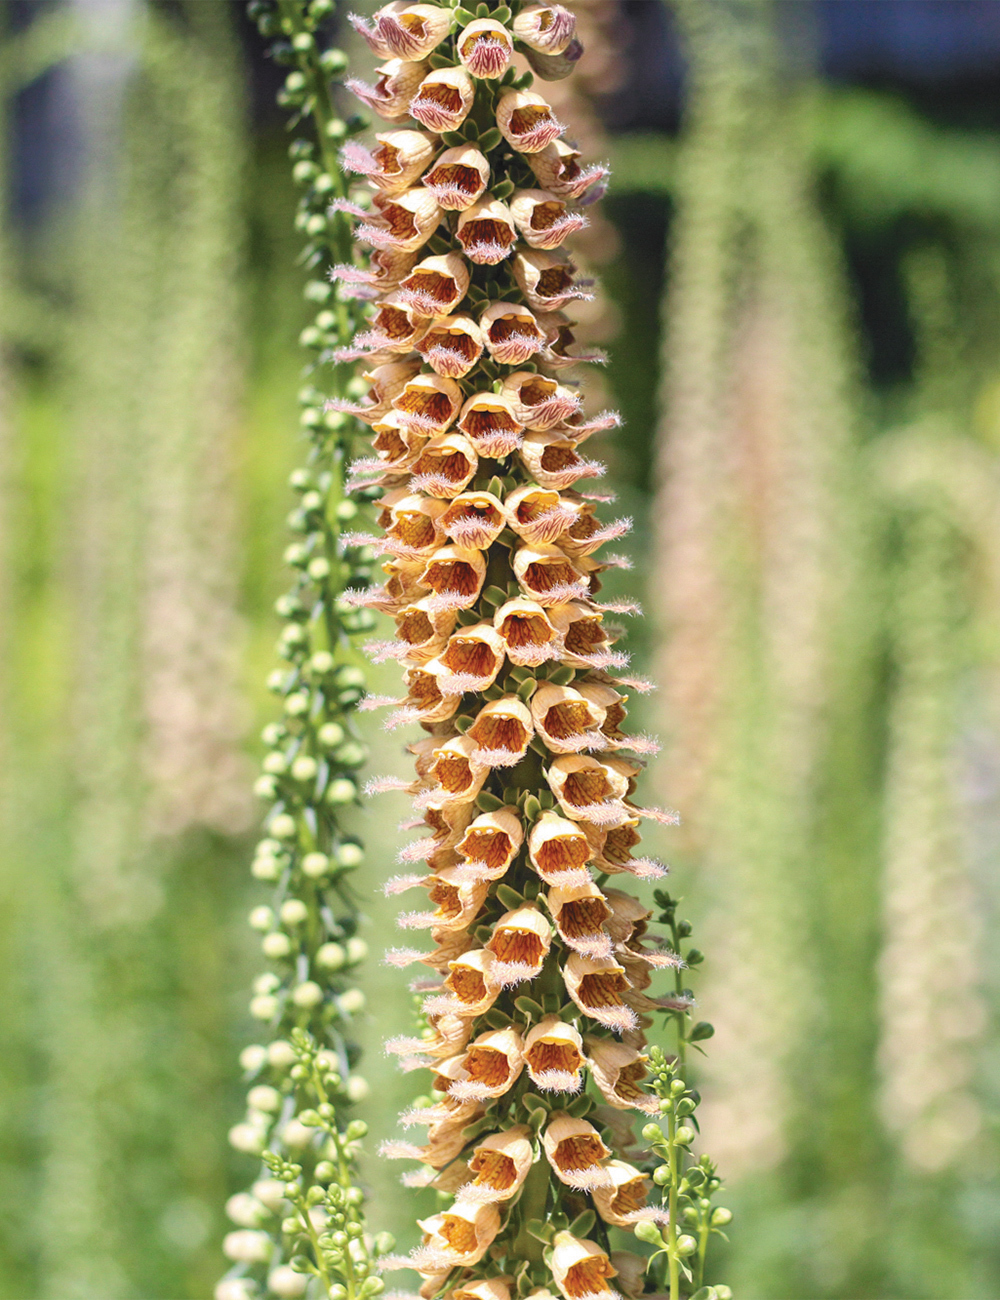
[541,979]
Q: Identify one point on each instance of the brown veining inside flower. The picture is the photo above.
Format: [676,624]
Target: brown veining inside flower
[627,1084]
[415,627]
[559,457]
[526,630]
[456,178]
[630,1197]
[489,846]
[424,688]
[535,391]
[467,985]
[528,118]
[603,989]
[584,636]
[472,658]
[458,1233]
[546,575]
[387,157]
[414,529]
[482,423]
[619,843]
[431,286]
[493,1169]
[442,96]
[584,528]
[393,322]
[453,773]
[562,853]
[400,220]
[446,899]
[571,718]
[496,732]
[543,1057]
[589,785]
[517,947]
[583,917]
[553,282]
[432,408]
[582,1151]
[545,215]
[451,466]
[485,237]
[387,442]
[487,1066]
[476,514]
[453,349]
[587,1278]
[514,326]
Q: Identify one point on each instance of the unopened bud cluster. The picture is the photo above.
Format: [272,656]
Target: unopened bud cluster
[539,992]
[299,1075]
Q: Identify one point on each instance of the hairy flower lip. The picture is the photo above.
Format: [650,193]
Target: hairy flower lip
[396,83]
[617,1070]
[489,1067]
[557,171]
[398,159]
[489,422]
[553,461]
[554,1056]
[526,121]
[459,1236]
[471,661]
[452,347]
[485,48]
[598,986]
[580,1269]
[458,178]
[494,1288]
[576,1153]
[474,519]
[408,31]
[539,402]
[435,286]
[486,231]
[559,850]
[580,913]
[490,844]
[442,99]
[542,219]
[546,28]
[520,942]
[548,576]
[539,515]
[470,984]
[502,732]
[511,333]
[566,719]
[445,467]
[430,404]
[546,279]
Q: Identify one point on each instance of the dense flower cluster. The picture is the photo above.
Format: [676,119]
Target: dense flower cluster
[541,987]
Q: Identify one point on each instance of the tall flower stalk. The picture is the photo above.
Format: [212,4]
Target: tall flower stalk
[302,1219]
[539,991]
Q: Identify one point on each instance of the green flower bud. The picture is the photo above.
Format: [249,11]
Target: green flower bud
[281,1054]
[351,1002]
[304,171]
[331,956]
[264,1098]
[266,983]
[276,681]
[351,754]
[297,704]
[686,1245]
[321,663]
[275,764]
[357,949]
[312,501]
[356,1130]
[305,768]
[342,790]
[303,42]
[264,1007]
[649,1233]
[661,1175]
[652,1133]
[330,735]
[325,1171]
[721,1216]
[283,826]
[293,912]
[300,479]
[265,868]
[348,854]
[346,511]
[276,946]
[357,1088]
[265,787]
[318,569]
[684,1135]
[253,1057]
[348,675]
[307,994]
[723,1292]
[384,1242]
[315,865]
[333,62]
[261,918]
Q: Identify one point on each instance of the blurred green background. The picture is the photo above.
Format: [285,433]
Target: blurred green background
[801,267]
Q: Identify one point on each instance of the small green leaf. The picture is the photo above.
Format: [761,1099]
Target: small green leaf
[582,1224]
[487,802]
[463,722]
[540,1230]
[489,140]
[495,596]
[453,138]
[532,808]
[510,898]
[495,487]
[562,676]
[578,1108]
[528,1007]
[501,15]
[526,690]
[482,10]
[701,1031]
[438,60]
[503,190]
[463,16]
[471,130]
[496,1019]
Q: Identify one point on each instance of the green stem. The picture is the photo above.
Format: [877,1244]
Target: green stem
[672,1164]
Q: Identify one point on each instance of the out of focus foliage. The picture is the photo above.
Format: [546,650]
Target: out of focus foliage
[830,382]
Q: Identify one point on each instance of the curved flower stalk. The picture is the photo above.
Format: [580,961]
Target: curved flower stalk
[302,1219]
[540,982]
